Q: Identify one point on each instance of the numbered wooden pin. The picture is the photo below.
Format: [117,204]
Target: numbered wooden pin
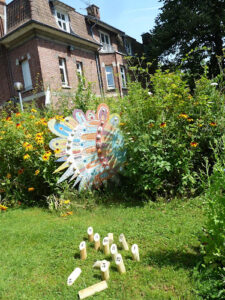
[120,264]
[97,264]
[90,233]
[122,240]
[105,244]
[110,236]
[105,269]
[97,244]
[135,252]
[83,251]
[114,251]
[91,290]
[73,276]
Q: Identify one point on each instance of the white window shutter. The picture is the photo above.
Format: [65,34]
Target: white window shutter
[26,74]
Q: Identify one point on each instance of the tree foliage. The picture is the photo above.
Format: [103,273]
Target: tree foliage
[188,26]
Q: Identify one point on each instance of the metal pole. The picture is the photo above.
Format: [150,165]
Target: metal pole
[21,101]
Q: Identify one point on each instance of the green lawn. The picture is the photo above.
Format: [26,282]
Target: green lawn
[39,250]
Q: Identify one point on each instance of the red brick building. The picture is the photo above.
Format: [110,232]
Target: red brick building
[47,43]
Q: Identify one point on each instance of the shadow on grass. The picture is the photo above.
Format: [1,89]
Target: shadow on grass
[178,259]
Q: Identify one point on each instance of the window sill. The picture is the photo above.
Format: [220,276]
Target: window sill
[111,89]
[66,87]
[124,88]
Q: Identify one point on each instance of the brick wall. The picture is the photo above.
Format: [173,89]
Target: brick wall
[4,78]
[49,53]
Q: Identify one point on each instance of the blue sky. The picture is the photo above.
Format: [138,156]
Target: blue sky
[132,16]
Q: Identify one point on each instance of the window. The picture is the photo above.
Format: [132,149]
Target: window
[128,47]
[63,73]
[104,38]
[123,76]
[62,20]
[26,75]
[79,69]
[110,77]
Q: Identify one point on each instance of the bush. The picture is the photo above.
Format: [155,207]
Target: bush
[26,162]
[169,134]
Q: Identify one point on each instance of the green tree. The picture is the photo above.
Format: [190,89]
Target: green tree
[194,27]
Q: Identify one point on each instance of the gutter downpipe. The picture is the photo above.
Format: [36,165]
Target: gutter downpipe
[98,64]
[120,88]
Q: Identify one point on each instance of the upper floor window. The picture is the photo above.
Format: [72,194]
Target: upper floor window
[62,20]
[63,72]
[123,76]
[105,38]
[128,47]
[26,74]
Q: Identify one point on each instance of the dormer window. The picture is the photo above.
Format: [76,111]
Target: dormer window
[62,20]
[128,47]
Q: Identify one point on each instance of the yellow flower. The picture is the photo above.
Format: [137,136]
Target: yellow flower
[57,150]
[20,171]
[39,141]
[36,172]
[26,156]
[194,144]
[29,147]
[184,116]
[122,124]
[18,114]
[33,110]
[45,157]
[2,132]
[31,189]
[59,118]
[25,144]
[190,120]
[213,124]
[67,202]
[162,125]
[151,125]
[69,213]
[3,207]
[1,138]
[8,176]
[32,117]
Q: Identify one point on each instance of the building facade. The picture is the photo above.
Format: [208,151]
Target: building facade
[46,43]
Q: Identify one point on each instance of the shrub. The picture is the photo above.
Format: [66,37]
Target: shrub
[169,133]
[26,162]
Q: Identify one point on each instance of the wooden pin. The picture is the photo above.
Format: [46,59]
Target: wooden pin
[135,252]
[120,264]
[97,241]
[105,244]
[90,233]
[105,269]
[122,240]
[73,276]
[113,250]
[97,264]
[110,236]
[83,251]
[91,290]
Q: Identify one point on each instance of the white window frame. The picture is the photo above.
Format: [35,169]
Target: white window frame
[26,75]
[79,65]
[62,67]
[108,37]
[123,76]
[110,72]
[65,24]
[128,47]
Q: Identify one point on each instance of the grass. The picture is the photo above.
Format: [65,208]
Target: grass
[39,250]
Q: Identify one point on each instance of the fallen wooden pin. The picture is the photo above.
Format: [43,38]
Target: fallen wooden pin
[91,290]
[83,251]
[113,250]
[105,244]
[97,244]
[97,264]
[90,233]
[122,240]
[120,264]
[73,276]
[105,269]
[110,236]
[135,252]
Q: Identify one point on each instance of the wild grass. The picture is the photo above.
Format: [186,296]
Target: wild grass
[39,250]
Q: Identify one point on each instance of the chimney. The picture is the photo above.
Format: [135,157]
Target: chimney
[93,11]
[2,17]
